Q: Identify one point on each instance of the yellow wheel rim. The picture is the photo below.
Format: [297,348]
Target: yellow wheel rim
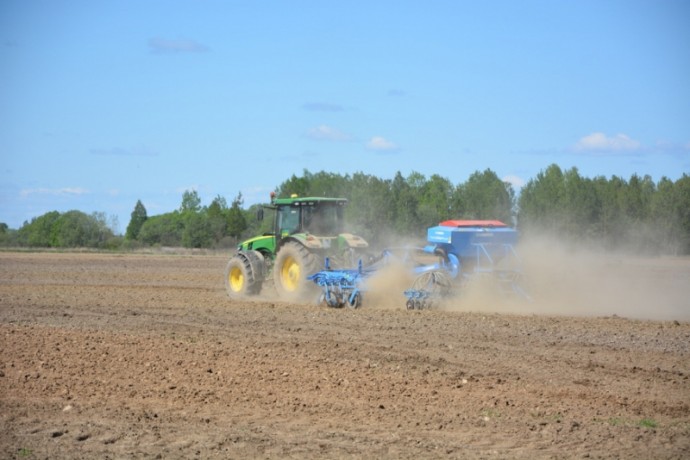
[289,274]
[236,279]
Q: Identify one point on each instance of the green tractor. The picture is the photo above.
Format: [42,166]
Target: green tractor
[305,232]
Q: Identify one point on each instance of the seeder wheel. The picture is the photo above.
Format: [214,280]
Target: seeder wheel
[437,283]
[355,301]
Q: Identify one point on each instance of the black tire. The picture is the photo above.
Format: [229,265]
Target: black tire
[244,274]
[292,266]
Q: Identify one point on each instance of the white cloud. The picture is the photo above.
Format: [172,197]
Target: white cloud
[381,144]
[600,142]
[54,191]
[328,133]
[515,181]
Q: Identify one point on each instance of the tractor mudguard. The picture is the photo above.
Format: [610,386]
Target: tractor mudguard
[348,240]
[308,241]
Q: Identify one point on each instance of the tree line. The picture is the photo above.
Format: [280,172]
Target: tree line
[192,225]
[71,229]
[610,212]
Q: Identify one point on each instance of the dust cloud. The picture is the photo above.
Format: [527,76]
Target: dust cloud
[385,289]
[581,281]
[563,280]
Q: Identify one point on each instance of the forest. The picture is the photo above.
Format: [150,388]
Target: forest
[614,213]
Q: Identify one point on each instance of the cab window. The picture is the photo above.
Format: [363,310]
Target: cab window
[288,220]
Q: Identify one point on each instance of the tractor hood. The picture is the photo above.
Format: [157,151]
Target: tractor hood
[258,243]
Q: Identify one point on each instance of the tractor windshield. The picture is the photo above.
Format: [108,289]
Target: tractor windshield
[324,219]
[288,220]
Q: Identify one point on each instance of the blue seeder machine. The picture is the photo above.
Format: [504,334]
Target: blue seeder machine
[463,250]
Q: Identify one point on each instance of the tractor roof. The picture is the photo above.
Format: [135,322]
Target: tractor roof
[309,200]
[472,223]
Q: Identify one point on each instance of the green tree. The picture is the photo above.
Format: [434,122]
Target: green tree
[435,202]
[76,229]
[300,186]
[255,226]
[137,219]
[218,206]
[404,201]
[197,231]
[488,197]
[328,184]
[190,201]
[39,232]
[164,230]
[68,230]
[236,220]
[579,204]
[682,207]
[370,211]
[610,222]
[216,214]
[542,200]
[8,236]
[635,198]
[664,214]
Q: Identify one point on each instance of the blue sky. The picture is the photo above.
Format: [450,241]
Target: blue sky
[103,103]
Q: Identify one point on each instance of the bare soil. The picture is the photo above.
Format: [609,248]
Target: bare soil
[144,356]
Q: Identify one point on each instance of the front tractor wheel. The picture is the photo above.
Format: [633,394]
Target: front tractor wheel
[244,274]
[292,266]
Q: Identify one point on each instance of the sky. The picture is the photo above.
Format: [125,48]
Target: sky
[103,103]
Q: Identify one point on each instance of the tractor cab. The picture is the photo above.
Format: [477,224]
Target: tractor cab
[316,216]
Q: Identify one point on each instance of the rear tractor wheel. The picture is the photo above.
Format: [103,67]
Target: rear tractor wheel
[292,266]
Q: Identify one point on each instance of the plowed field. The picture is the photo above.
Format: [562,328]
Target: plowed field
[144,356]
